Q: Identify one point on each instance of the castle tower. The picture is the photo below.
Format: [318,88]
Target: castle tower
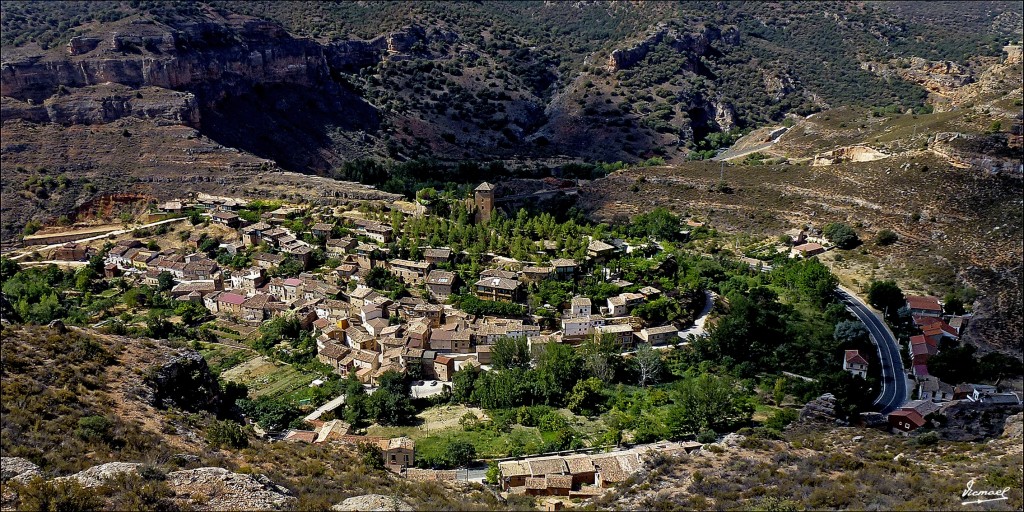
[484,196]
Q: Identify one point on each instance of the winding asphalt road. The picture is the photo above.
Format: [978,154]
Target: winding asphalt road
[894,388]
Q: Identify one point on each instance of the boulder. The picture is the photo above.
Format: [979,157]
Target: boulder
[224,490]
[820,410]
[184,382]
[97,475]
[372,503]
[19,468]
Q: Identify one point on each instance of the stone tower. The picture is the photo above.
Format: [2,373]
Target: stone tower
[484,196]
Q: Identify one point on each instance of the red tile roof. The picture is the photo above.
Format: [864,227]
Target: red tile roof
[853,356]
[231,298]
[808,247]
[926,303]
[910,415]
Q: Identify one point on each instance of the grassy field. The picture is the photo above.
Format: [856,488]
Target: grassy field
[266,378]
[222,357]
[437,425]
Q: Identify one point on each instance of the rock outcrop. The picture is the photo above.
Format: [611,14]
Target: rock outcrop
[17,469]
[1014,426]
[373,503]
[936,76]
[820,410]
[211,59]
[220,489]
[970,421]
[106,103]
[184,382]
[97,475]
[208,488]
[694,45]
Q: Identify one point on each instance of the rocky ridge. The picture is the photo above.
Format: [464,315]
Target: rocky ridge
[694,45]
[372,503]
[205,488]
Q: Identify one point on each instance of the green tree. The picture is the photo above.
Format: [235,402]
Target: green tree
[853,394]
[226,434]
[83,278]
[271,414]
[390,403]
[493,473]
[191,312]
[458,452]
[586,397]
[164,281]
[510,353]
[8,268]
[356,406]
[601,357]
[707,402]
[463,383]
[559,367]
[371,455]
[886,237]
[953,305]
[886,296]
[842,235]
[850,332]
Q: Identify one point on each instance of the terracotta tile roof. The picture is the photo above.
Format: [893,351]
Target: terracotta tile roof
[440,277]
[547,466]
[854,357]
[493,272]
[910,415]
[514,468]
[609,469]
[926,303]
[498,283]
[559,481]
[439,252]
[231,298]
[536,483]
[334,351]
[579,464]
[303,436]
[808,247]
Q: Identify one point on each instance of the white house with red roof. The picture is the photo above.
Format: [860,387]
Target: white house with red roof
[855,364]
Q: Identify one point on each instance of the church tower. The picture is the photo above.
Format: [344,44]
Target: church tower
[484,196]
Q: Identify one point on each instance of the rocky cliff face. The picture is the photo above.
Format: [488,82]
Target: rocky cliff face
[693,44]
[106,103]
[184,382]
[941,77]
[212,60]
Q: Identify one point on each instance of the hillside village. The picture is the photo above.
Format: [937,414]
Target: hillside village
[380,300]
[368,331]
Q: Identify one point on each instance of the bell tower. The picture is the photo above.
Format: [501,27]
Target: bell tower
[484,198]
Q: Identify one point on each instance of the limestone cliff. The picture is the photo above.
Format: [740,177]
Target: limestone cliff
[211,59]
[694,44]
